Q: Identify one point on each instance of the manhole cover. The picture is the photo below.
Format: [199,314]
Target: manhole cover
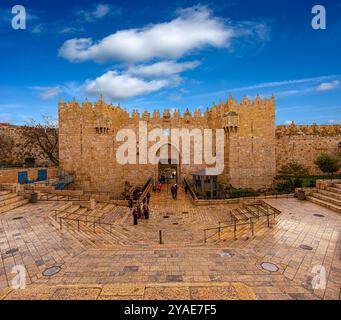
[51,271]
[319,215]
[11,251]
[225,254]
[268,266]
[305,247]
[17,218]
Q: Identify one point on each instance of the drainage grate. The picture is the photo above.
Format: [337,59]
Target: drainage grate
[17,218]
[11,251]
[319,215]
[305,247]
[51,271]
[268,266]
[184,212]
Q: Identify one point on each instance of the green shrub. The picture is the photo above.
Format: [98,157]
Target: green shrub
[284,186]
[328,163]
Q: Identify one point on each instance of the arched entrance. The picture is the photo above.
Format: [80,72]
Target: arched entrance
[168,169]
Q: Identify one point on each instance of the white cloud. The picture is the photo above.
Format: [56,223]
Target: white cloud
[99,11]
[334,121]
[195,28]
[162,69]
[283,83]
[288,87]
[326,86]
[68,30]
[289,122]
[47,93]
[118,86]
[38,28]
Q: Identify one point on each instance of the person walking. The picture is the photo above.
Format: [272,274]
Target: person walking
[175,191]
[148,195]
[172,189]
[135,216]
[146,211]
[141,210]
[130,203]
[139,213]
[186,188]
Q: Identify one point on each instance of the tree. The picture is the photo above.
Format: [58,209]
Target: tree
[6,147]
[328,163]
[293,170]
[290,176]
[45,136]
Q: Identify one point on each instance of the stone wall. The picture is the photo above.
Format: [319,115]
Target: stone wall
[10,175]
[19,147]
[303,144]
[87,142]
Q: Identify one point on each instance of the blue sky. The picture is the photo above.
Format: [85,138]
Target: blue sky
[174,54]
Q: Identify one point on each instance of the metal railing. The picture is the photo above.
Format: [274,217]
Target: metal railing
[146,188]
[236,222]
[191,192]
[88,220]
[59,197]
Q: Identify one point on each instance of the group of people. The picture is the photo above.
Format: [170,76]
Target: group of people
[141,210]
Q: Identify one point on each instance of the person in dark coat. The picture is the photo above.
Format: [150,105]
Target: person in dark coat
[148,195]
[175,191]
[186,188]
[135,215]
[130,203]
[139,213]
[146,211]
[172,189]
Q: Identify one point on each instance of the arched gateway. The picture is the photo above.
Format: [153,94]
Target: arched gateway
[169,166]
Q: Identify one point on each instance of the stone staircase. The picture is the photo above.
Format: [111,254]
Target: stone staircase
[245,222]
[10,200]
[83,224]
[328,197]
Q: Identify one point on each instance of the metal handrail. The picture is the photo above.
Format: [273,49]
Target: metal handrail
[145,189]
[59,197]
[235,223]
[191,192]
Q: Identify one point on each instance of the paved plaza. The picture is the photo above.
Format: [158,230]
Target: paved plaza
[279,262]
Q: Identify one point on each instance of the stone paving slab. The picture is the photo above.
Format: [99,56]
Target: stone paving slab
[222,270]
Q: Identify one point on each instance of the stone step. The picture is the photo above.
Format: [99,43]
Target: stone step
[10,200]
[325,204]
[87,236]
[13,205]
[7,195]
[330,194]
[71,209]
[334,190]
[327,198]
[65,206]
[102,234]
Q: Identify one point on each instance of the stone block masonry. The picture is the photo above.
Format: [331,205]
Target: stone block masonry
[254,149]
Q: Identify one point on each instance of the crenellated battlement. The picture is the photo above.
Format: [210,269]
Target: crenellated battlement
[308,130]
[215,111]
